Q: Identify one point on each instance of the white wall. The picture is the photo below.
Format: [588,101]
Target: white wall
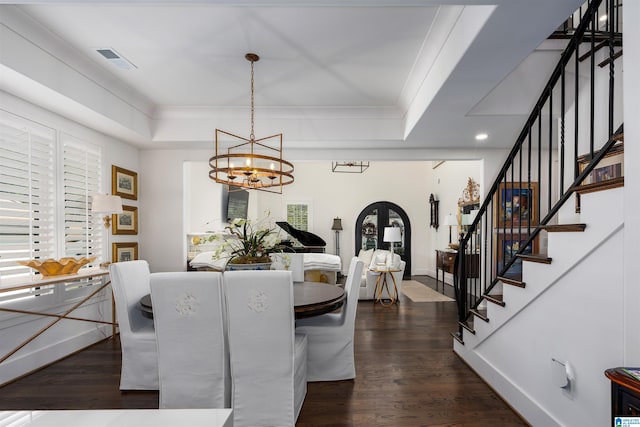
[631,60]
[345,195]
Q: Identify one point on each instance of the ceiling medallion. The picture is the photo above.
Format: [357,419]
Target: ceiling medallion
[251,164]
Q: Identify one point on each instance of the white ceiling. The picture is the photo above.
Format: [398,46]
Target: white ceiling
[341,75]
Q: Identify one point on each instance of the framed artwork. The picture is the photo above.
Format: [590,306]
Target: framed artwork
[516,204]
[298,214]
[610,168]
[508,244]
[124,183]
[124,251]
[609,173]
[126,222]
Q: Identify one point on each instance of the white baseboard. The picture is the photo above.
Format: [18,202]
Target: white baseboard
[23,363]
[519,401]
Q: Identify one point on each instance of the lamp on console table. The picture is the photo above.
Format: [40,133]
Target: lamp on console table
[451,221]
[106,204]
[392,235]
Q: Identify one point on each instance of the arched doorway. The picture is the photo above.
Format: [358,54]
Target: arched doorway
[370,230]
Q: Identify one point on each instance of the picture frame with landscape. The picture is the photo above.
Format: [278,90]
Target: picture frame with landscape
[124,183]
[124,251]
[126,222]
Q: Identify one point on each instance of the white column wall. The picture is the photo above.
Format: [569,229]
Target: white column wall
[631,60]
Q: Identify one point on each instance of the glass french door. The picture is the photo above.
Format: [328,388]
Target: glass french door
[370,227]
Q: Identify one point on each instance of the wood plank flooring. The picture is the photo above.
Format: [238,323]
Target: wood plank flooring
[407,375]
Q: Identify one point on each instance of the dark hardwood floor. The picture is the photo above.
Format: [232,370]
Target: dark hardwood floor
[407,375]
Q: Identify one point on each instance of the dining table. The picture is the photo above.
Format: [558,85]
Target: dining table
[309,298]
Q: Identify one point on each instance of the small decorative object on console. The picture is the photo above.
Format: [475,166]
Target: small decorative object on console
[54,267]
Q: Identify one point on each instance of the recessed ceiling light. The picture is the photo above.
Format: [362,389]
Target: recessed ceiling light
[482,136]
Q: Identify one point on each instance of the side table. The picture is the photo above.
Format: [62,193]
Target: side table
[382,284]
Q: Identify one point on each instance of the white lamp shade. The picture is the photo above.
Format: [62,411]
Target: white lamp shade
[106,204]
[392,234]
[450,220]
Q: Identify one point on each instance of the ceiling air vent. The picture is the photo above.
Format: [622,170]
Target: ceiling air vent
[115,58]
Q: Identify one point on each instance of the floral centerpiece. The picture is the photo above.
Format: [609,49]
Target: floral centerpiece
[249,242]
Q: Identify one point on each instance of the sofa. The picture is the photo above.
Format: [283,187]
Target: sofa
[378,258]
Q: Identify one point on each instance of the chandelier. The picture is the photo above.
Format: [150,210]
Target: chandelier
[252,164]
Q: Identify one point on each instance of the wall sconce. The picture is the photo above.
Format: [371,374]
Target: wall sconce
[108,205]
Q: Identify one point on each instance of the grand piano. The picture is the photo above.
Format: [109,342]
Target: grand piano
[304,241]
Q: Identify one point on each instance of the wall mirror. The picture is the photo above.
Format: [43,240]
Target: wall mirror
[433,203]
[468,204]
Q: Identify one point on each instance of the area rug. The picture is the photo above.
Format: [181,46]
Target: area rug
[417,292]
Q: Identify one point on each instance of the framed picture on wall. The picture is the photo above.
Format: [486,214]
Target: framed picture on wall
[124,251]
[298,214]
[516,204]
[508,244]
[127,221]
[124,183]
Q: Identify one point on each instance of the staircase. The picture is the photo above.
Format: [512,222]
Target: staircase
[548,237]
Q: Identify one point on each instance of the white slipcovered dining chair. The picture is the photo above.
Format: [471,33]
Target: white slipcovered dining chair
[193,361]
[130,282]
[292,262]
[268,359]
[330,336]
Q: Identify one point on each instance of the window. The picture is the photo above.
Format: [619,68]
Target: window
[45,209]
[82,176]
[27,193]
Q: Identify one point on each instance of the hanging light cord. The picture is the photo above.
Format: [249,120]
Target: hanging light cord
[252,136]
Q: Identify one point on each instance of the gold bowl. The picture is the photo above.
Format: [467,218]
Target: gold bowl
[54,267]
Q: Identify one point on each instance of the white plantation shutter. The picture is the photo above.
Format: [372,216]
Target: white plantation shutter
[82,166]
[27,193]
[45,205]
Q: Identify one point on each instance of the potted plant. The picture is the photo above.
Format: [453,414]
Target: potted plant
[250,245]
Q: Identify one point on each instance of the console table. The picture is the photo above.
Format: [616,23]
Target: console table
[445,261]
[625,393]
[9,285]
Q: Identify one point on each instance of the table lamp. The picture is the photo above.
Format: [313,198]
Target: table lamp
[392,235]
[451,221]
[337,227]
[108,205]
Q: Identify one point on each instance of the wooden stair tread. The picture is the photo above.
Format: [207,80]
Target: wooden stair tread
[564,228]
[468,327]
[542,259]
[496,299]
[458,337]
[600,186]
[512,281]
[482,314]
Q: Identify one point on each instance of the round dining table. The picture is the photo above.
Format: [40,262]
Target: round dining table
[309,299]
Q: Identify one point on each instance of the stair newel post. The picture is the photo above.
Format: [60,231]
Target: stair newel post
[460,282]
